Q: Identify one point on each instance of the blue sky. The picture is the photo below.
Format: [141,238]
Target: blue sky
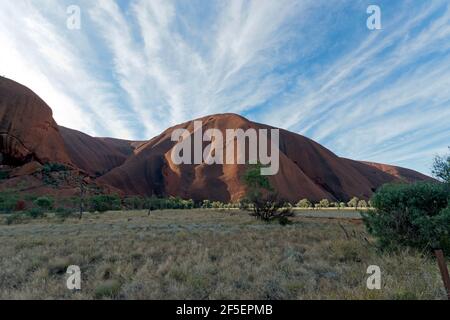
[312,67]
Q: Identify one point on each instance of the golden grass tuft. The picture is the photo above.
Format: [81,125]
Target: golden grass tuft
[205,254]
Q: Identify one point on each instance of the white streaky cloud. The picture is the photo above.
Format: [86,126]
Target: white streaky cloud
[349,102]
[353,73]
[130,64]
[139,66]
[41,49]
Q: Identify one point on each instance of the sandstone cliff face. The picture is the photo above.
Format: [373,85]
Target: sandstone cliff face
[307,170]
[27,129]
[29,138]
[95,156]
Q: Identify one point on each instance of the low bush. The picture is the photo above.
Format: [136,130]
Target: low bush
[134,203]
[4,175]
[35,213]
[304,203]
[53,167]
[104,202]
[324,203]
[262,199]
[353,203]
[8,201]
[58,265]
[411,215]
[108,289]
[64,213]
[14,218]
[170,203]
[362,204]
[45,203]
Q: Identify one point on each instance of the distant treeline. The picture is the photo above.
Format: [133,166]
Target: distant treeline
[11,201]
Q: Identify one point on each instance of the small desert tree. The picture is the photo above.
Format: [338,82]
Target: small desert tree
[304,203]
[83,186]
[263,200]
[353,203]
[441,168]
[8,201]
[362,204]
[104,202]
[44,203]
[206,204]
[411,215]
[324,203]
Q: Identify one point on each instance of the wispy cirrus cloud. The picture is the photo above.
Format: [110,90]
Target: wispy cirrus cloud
[139,66]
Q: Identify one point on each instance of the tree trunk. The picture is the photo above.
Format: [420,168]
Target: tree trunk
[81,199]
[444,270]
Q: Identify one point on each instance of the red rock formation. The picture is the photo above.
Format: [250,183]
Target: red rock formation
[307,170]
[403,174]
[27,129]
[95,156]
[30,137]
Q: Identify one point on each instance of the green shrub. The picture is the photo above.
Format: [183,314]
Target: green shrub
[264,202]
[353,203]
[154,203]
[51,179]
[45,203]
[217,205]
[188,204]
[441,168]
[284,221]
[177,203]
[324,203]
[4,175]
[8,201]
[35,213]
[288,205]
[53,167]
[58,265]
[415,215]
[104,202]
[304,203]
[206,204]
[64,213]
[362,204]
[107,289]
[30,197]
[136,203]
[14,218]
[244,204]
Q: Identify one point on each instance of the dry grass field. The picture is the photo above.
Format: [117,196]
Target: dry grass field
[205,254]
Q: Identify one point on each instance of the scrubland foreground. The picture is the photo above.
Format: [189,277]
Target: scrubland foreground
[205,254]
